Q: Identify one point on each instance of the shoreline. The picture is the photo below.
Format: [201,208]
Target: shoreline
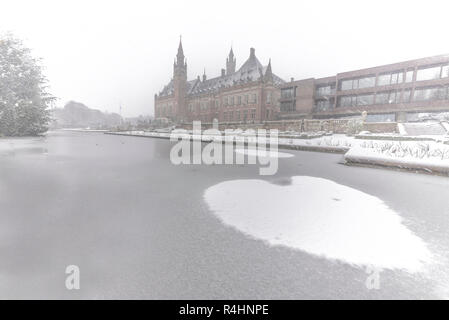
[353,154]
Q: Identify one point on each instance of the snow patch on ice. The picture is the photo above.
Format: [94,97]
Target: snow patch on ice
[320,217]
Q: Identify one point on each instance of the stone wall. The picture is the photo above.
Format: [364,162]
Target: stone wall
[341,126]
[380,127]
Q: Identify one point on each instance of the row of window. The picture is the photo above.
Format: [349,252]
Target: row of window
[287,93]
[395,96]
[361,83]
[229,101]
[288,106]
[431,93]
[395,77]
[435,72]
[165,109]
[325,90]
[323,105]
[386,97]
[239,115]
[203,105]
[239,100]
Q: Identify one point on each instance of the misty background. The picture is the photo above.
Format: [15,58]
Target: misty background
[107,53]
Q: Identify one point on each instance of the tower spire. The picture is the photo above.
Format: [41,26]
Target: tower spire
[180,55]
[268,73]
[180,83]
[230,62]
[180,64]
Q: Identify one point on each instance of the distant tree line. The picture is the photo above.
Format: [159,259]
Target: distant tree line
[24,100]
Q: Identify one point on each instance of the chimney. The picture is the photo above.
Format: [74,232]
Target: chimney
[252,53]
[292,79]
[223,72]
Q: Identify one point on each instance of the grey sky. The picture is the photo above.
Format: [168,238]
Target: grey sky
[102,53]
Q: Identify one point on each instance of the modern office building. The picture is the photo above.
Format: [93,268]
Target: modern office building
[386,93]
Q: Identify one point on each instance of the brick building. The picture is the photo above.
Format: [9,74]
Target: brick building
[387,93]
[250,93]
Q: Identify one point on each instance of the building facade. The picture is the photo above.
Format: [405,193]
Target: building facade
[387,93]
[250,93]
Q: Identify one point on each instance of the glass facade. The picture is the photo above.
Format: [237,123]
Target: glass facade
[325,90]
[431,73]
[365,100]
[346,101]
[406,95]
[428,73]
[388,97]
[430,93]
[382,86]
[383,79]
[287,93]
[409,75]
[366,82]
[324,105]
[445,71]
[390,78]
[346,85]
[353,101]
[288,106]
[360,83]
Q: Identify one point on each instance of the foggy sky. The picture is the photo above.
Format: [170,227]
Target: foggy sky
[103,53]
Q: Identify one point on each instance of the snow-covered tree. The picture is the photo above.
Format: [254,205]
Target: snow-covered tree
[24,101]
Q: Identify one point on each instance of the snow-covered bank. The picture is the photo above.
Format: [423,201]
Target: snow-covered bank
[337,143]
[426,153]
[426,156]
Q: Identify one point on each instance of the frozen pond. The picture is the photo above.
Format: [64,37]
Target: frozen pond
[140,227]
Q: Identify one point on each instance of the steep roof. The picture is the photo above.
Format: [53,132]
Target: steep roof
[169,88]
[251,70]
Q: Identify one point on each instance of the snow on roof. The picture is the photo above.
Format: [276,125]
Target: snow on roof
[251,70]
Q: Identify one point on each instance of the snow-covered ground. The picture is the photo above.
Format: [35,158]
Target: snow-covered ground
[424,128]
